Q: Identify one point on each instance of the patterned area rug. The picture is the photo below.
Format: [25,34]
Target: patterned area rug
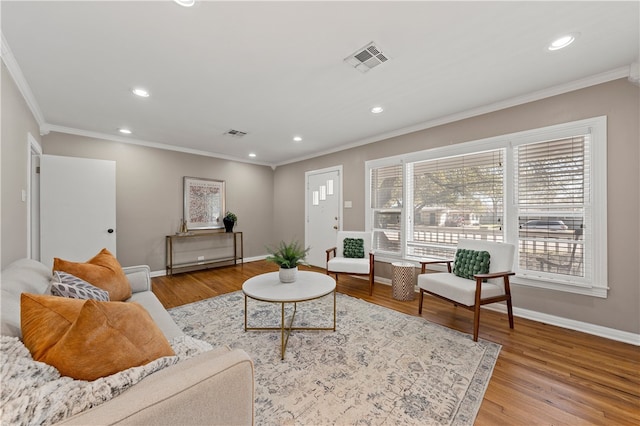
[380,367]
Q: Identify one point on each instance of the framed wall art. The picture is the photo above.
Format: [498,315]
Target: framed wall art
[204,203]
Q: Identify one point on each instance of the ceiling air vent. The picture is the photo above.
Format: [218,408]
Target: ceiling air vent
[366,58]
[235,133]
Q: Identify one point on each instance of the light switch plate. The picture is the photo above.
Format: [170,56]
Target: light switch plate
[348,204]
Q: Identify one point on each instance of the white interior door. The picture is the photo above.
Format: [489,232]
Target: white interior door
[323,202]
[77,208]
[33,200]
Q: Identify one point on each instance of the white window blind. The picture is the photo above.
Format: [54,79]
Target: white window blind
[553,200]
[455,197]
[543,190]
[386,208]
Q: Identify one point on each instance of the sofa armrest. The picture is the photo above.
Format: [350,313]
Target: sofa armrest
[211,388]
[139,277]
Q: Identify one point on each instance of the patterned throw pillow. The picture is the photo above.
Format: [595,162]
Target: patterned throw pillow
[67,285]
[353,247]
[470,262]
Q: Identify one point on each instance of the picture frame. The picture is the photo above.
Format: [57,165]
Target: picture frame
[204,203]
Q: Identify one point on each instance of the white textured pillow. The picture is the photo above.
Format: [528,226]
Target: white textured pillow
[67,285]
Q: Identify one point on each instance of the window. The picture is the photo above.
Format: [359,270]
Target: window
[543,190]
[386,208]
[552,187]
[452,198]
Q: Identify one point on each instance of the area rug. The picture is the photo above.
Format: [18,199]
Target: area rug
[380,367]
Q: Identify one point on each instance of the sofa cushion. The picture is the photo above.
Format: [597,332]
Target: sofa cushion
[470,262]
[88,339]
[67,285]
[34,393]
[103,271]
[158,313]
[353,248]
[23,275]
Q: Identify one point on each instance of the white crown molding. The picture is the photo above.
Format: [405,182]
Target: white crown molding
[615,74]
[21,82]
[630,72]
[140,142]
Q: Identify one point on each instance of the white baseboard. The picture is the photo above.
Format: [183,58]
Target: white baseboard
[596,330]
[593,329]
[163,272]
[584,327]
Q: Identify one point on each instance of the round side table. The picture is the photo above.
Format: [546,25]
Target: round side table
[402,282]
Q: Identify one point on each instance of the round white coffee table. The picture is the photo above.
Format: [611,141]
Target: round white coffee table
[268,288]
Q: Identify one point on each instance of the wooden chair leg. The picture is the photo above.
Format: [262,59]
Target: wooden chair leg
[370,285]
[510,312]
[420,302]
[476,322]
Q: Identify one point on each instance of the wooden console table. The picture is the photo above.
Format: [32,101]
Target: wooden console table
[202,261]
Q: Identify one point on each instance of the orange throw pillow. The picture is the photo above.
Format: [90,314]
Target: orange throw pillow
[103,271]
[102,339]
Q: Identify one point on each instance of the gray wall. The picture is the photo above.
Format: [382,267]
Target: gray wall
[149,200]
[17,122]
[149,195]
[618,100]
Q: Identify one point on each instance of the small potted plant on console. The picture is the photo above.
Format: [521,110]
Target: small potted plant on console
[229,221]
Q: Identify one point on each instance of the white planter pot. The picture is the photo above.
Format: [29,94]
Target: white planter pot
[288,275]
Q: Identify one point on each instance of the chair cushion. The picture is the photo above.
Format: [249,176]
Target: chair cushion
[460,290]
[103,271]
[353,248]
[350,265]
[89,339]
[470,262]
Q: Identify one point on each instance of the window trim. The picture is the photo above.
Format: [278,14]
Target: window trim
[597,252]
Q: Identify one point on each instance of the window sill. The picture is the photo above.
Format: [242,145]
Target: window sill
[567,288]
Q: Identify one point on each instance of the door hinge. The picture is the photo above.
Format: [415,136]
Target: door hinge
[37,170]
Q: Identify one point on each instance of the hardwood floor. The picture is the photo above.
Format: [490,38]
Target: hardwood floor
[544,374]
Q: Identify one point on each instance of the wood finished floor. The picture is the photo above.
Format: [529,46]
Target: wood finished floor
[544,374]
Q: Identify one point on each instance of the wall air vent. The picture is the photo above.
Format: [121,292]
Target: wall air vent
[235,133]
[367,58]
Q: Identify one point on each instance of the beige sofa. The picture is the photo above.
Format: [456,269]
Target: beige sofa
[215,387]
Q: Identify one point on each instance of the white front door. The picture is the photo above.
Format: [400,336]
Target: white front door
[77,208]
[323,202]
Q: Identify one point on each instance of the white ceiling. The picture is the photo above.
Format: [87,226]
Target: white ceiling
[276,69]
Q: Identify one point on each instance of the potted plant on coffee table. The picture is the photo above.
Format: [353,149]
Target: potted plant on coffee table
[288,256]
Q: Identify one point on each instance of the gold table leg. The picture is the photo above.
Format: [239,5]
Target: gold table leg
[284,341]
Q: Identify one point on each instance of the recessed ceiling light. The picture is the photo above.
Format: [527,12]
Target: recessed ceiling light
[125,131]
[562,42]
[377,109]
[297,139]
[138,91]
[252,155]
[185,3]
